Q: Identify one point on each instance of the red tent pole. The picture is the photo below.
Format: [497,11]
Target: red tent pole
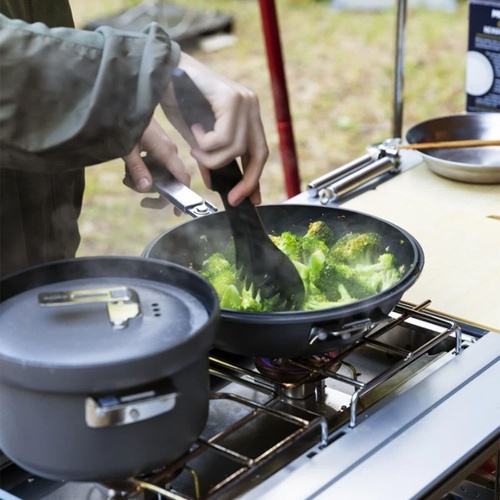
[281,104]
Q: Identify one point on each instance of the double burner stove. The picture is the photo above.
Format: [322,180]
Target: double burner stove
[271,418]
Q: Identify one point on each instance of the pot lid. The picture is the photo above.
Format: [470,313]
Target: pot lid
[106,326]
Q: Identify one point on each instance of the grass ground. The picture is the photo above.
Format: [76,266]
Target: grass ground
[340,71]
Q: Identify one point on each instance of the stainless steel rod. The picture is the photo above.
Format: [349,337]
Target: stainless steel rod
[355,179]
[315,186]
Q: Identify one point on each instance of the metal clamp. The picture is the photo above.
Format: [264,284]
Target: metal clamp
[384,158]
[112,410]
[315,187]
[122,302]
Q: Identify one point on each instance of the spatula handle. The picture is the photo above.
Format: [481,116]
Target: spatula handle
[195,108]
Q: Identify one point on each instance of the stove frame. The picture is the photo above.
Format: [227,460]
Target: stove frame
[262,432]
[324,428]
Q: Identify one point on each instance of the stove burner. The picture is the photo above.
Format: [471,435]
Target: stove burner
[296,370]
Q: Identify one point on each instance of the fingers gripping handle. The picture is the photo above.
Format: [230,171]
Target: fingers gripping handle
[195,108]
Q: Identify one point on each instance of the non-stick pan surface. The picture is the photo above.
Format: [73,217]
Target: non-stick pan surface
[294,333]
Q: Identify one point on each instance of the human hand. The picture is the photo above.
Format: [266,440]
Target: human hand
[156,143]
[238,130]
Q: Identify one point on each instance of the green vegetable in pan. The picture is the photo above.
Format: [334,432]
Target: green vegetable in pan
[334,271]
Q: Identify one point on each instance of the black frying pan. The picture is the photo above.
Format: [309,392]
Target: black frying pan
[295,333]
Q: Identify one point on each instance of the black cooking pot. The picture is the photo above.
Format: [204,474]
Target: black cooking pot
[104,366]
[295,333]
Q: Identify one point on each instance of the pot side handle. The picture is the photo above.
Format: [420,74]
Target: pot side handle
[113,410]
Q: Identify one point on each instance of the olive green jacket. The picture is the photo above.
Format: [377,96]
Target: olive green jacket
[68,99]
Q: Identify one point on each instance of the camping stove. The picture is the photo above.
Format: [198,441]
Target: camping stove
[414,407]
[410,411]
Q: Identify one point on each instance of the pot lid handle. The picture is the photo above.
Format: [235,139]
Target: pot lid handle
[122,302]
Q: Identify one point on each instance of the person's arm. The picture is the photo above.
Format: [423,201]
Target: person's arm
[72,98]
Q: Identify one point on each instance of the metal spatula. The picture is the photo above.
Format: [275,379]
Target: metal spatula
[260,261]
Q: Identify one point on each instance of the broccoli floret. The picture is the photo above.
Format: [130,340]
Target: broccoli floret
[358,248]
[271,304]
[289,243]
[335,273]
[316,245]
[230,298]
[315,299]
[345,296]
[380,275]
[310,245]
[215,265]
[388,277]
[331,274]
[319,230]
[315,262]
[249,302]
[354,267]
[223,276]
[303,271]
[227,277]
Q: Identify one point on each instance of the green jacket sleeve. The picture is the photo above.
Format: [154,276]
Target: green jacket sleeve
[71,98]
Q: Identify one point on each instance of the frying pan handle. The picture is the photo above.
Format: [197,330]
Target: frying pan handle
[324,333]
[175,192]
[195,108]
